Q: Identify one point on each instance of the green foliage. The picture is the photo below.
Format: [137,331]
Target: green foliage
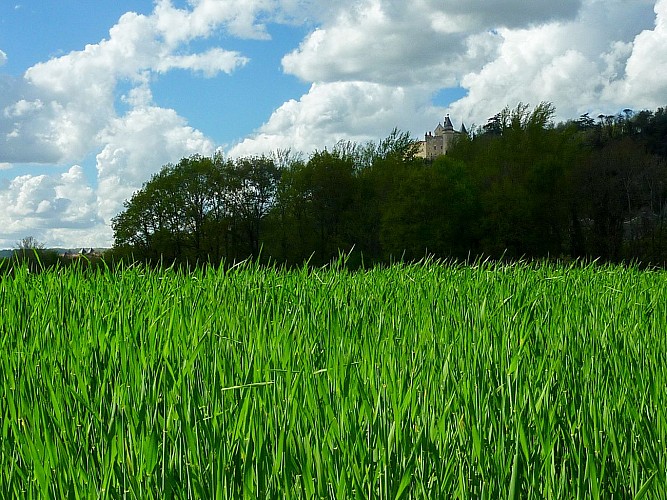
[428,211]
[521,119]
[202,209]
[518,187]
[582,189]
[415,381]
[33,255]
[518,178]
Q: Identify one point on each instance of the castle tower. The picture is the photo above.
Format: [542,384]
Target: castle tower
[437,143]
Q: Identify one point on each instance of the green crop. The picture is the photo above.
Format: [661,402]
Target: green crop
[415,381]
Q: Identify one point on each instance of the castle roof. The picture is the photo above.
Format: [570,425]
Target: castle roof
[448,123]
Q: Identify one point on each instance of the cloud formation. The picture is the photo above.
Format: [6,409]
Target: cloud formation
[134,144]
[412,42]
[65,108]
[583,65]
[584,56]
[71,98]
[37,204]
[240,19]
[329,112]
[643,83]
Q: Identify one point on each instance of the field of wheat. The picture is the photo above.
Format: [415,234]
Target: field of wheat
[430,380]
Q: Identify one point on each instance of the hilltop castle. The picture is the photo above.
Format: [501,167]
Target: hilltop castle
[440,140]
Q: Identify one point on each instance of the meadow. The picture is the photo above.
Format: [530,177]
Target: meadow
[430,380]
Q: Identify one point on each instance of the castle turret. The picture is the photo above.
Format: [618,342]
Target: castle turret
[438,142]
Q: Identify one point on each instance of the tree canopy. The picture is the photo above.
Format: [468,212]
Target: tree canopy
[520,186]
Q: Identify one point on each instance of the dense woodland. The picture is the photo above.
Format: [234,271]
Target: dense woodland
[520,187]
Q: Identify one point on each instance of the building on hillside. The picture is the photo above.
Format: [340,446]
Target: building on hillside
[84,252]
[439,141]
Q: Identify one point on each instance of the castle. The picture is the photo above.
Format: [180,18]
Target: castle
[440,140]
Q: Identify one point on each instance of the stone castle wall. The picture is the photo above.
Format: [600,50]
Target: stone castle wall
[439,141]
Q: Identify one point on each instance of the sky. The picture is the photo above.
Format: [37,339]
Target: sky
[96,96]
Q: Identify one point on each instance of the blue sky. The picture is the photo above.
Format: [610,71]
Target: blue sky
[96,96]
[33,31]
[206,102]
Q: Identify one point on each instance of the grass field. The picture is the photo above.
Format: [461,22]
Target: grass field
[414,381]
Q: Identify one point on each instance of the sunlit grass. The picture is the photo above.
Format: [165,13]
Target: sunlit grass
[421,381]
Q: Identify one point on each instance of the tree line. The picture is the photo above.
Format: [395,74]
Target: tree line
[32,254]
[518,187]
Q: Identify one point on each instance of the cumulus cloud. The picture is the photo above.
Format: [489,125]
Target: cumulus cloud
[66,208]
[412,42]
[329,112]
[583,65]
[368,43]
[582,55]
[510,13]
[239,18]
[63,109]
[17,106]
[377,63]
[138,145]
[369,56]
[72,97]
[210,63]
[643,82]
[23,107]
[37,203]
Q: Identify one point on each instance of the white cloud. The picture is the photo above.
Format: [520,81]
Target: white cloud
[644,82]
[510,13]
[138,145]
[571,53]
[64,109]
[411,42]
[367,44]
[74,93]
[210,63]
[206,16]
[23,107]
[378,62]
[65,209]
[384,42]
[35,204]
[329,112]
[583,65]
[3,58]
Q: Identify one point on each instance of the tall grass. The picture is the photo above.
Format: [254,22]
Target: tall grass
[416,381]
